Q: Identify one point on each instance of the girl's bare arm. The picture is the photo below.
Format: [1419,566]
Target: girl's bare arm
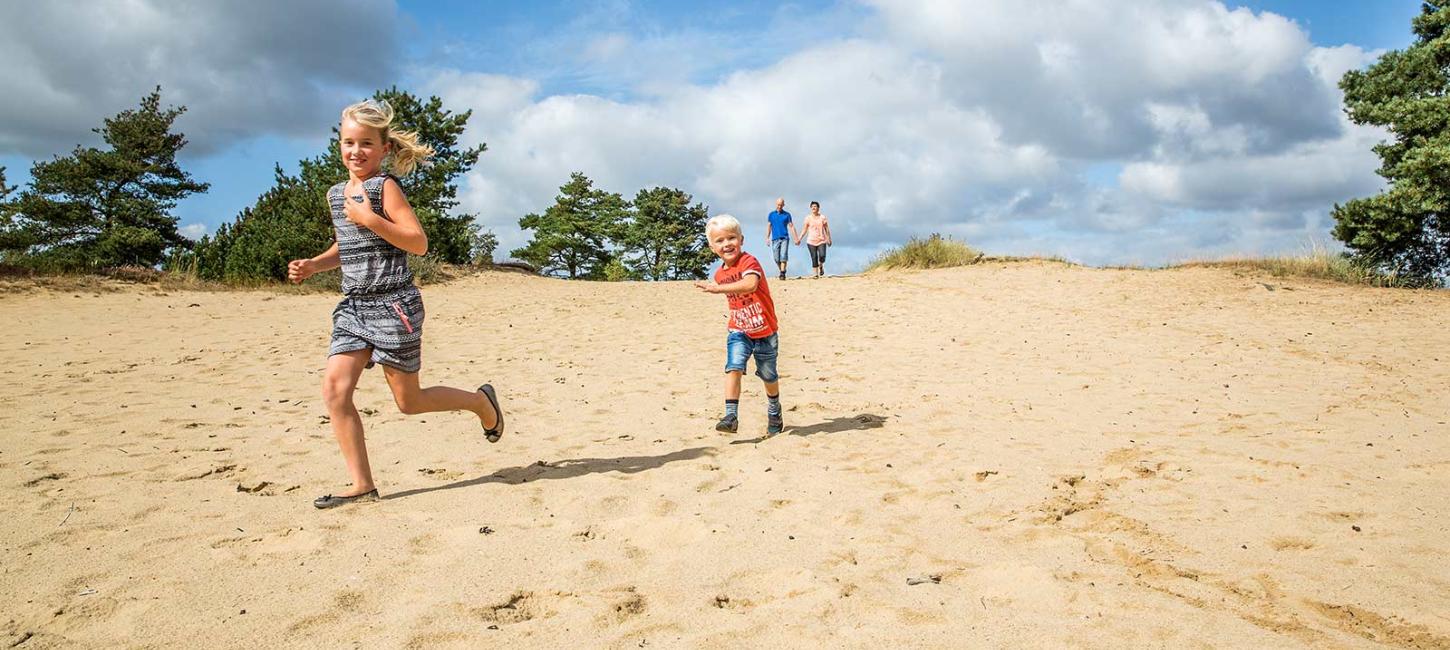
[403,230]
[327,261]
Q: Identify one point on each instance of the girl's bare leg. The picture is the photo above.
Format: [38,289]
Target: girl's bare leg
[338,383]
[413,400]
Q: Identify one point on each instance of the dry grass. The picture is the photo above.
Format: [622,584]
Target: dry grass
[1050,259]
[1316,263]
[934,252]
[15,279]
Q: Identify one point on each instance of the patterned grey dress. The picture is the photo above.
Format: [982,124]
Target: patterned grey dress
[381,309]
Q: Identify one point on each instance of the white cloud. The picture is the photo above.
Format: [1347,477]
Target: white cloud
[241,69]
[194,231]
[989,120]
[974,119]
[860,126]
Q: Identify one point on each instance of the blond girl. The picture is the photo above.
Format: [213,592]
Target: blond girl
[380,318]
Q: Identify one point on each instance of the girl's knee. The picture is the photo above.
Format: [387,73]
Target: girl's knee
[336,392]
[407,406]
[409,402]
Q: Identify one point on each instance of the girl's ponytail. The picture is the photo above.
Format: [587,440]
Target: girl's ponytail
[407,152]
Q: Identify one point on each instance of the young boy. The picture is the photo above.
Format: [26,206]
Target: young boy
[752,323]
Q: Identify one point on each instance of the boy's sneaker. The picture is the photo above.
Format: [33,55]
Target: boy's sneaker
[728,424]
[775,425]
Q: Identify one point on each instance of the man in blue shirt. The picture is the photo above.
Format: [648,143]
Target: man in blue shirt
[780,231]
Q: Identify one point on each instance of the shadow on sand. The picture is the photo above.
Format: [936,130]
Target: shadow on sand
[858,422]
[568,468]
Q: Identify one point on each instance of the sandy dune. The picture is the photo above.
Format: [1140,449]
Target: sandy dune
[1058,456]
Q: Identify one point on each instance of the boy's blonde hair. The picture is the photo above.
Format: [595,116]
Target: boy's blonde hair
[723,222]
[407,151]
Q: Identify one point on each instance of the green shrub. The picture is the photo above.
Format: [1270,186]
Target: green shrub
[934,252]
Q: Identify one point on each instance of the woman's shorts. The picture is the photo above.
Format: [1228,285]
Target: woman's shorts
[390,324]
[818,254]
[739,348]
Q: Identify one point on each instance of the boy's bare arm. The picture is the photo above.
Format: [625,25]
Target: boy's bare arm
[746,284]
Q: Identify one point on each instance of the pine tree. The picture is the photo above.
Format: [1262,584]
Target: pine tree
[102,207]
[1405,229]
[666,238]
[572,236]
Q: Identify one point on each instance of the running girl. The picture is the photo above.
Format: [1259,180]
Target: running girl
[380,318]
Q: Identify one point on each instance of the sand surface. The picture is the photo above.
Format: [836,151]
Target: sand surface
[1059,456]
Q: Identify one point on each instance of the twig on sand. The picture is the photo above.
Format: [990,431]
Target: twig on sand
[67,515]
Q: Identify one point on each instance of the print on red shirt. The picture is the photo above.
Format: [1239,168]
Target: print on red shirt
[750,313]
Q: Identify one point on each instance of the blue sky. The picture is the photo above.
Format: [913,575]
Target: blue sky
[902,117]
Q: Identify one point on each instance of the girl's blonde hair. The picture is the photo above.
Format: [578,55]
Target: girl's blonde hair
[407,151]
[723,222]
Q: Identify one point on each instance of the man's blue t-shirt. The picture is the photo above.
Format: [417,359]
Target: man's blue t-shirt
[779,219]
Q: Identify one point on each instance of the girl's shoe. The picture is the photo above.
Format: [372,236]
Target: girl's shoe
[728,424]
[492,435]
[329,501]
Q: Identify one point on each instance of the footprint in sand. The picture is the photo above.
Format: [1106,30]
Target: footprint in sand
[347,601]
[519,607]
[1290,544]
[423,544]
[54,476]
[625,606]
[219,471]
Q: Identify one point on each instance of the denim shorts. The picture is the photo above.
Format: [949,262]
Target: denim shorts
[781,249]
[739,348]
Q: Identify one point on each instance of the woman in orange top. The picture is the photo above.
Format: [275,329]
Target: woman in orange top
[817,233]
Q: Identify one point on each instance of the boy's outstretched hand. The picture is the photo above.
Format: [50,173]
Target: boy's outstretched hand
[707,287]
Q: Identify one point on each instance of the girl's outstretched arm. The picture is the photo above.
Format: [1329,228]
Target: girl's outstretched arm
[403,230]
[299,270]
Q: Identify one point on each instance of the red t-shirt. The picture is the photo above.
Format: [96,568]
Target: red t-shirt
[752,314]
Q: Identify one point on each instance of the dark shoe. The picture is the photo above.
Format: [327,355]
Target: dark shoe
[492,435]
[329,501]
[774,425]
[728,424]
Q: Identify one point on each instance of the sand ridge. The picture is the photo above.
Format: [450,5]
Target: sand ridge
[1054,455]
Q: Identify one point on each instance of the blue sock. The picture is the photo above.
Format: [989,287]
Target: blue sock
[732,407]
[773,405]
